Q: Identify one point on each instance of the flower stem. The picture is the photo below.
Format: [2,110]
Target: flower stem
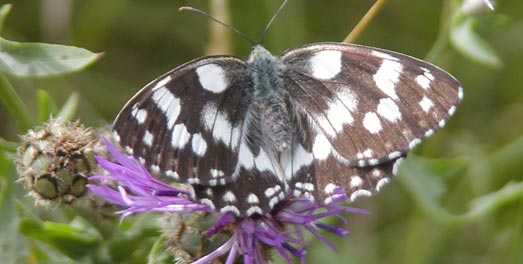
[14,104]
[364,22]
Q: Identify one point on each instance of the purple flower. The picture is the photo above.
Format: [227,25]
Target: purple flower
[281,229]
[137,190]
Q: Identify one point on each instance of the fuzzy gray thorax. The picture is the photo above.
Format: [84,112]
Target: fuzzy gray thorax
[270,98]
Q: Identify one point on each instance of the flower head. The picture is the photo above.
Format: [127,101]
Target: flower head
[281,229]
[55,160]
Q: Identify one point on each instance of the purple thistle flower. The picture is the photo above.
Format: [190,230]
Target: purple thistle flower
[281,229]
[142,192]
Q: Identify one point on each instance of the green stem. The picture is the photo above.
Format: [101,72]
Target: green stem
[442,41]
[440,45]
[8,145]
[14,105]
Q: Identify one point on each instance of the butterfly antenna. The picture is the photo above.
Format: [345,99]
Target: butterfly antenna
[188,8]
[272,20]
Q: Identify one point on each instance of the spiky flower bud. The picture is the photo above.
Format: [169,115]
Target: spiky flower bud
[55,160]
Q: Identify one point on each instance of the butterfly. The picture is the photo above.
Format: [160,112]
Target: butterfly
[249,134]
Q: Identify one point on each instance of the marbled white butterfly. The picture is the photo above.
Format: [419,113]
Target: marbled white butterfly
[247,134]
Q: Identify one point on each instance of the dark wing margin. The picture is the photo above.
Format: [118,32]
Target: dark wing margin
[188,123]
[368,105]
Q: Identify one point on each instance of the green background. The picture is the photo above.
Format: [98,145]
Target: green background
[430,214]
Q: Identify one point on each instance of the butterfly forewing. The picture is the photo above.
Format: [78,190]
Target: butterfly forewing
[184,123]
[368,105]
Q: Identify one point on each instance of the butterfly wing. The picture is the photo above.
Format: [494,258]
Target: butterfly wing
[367,105]
[188,123]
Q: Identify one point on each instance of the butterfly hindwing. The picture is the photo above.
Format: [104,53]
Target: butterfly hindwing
[188,123]
[368,105]
[253,192]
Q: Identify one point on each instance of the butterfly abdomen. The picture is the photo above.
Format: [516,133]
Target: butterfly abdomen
[267,72]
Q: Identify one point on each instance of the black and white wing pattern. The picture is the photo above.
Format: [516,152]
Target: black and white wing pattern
[346,115]
[367,108]
[368,105]
[188,123]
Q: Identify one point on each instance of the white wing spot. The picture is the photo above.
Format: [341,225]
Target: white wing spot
[394,155]
[423,81]
[322,147]
[460,92]
[452,110]
[222,129]
[252,198]
[414,143]
[199,146]
[155,168]
[212,78]
[383,55]
[326,64]
[355,195]
[426,104]
[180,136]
[388,109]
[367,153]
[253,210]
[116,137]
[162,82]
[139,114]
[373,162]
[429,133]
[273,201]
[396,165]
[229,197]
[129,150]
[337,116]
[355,181]
[207,202]
[329,188]
[376,173]
[148,138]
[372,123]
[193,180]
[347,97]
[442,123]
[230,208]
[387,77]
[172,174]
[215,173]
[381,183]
[168,104]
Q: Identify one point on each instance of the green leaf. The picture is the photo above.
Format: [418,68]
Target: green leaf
[69,108]
[14,105]
[41,59]
[469,43]
[72,242]
[4,11]
[46,105]
[7,145]
[159,252]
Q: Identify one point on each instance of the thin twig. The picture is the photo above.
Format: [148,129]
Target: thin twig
[364,22]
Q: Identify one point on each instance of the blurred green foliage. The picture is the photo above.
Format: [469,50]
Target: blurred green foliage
[459,199]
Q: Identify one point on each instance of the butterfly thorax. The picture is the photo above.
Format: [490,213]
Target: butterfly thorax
[270,96]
